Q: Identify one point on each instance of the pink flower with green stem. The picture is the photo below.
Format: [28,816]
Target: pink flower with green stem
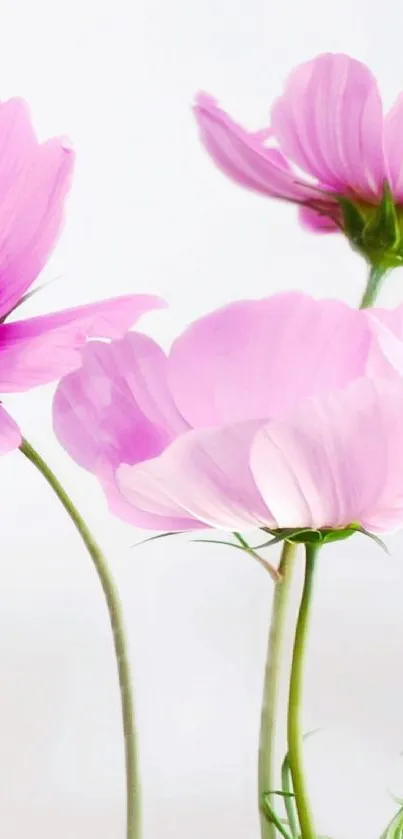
[282,414]
[329,149]
[35,179]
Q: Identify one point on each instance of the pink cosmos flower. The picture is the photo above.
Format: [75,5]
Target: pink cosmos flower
[264,414]
[34,182]
[327,138]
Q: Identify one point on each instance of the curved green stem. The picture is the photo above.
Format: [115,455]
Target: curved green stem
[295,742]
[266,770]
[376,276]
[133,821]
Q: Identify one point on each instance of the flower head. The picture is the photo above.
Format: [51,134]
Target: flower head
[262,415]
[34,182]
[328,148]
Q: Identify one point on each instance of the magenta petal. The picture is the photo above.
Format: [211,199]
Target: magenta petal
[244,157]
[34,182]
[116,407]
[329,121]
[42,349]
[393,148]
[330,464]
[204,474]
[258,358]
[10,435]
[317,222]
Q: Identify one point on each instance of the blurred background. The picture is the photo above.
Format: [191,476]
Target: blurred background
[149,213]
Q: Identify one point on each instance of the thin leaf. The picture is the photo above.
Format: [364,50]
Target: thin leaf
[276,576]
[286,782]
[246,549]
[270,814]
[394,829]
[159,536]
[374,538]
[27,296]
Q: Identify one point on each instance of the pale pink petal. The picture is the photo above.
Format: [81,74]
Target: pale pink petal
[116,407]
[42,349]
[385,357]
[169,519]
[329,121]
[329,465]
[34,182]
[204,474]
[318,222]
[258,358]
[393,148]
[243,156]
[387,514]
[10,435]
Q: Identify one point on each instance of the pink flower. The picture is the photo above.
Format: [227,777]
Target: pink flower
[328,138]
[261,415]
[34,181]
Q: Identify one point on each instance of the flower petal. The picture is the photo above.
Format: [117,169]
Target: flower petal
[34,182]
[331,463]
[385,357]
[10,435]
[329,121]
[204,474]
[42,349]
[117,407]
[258,358]
[393,148]
[318,222]
[243,156]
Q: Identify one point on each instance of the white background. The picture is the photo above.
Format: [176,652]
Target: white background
[150,213]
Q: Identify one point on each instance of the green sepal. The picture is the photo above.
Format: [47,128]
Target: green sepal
[308,536]
[354,221]
[322,536]
[382,230]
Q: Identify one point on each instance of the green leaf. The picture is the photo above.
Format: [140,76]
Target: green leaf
[272,816]
[394,829]
[286,782]
[159,536]
[246,548]
[26,297]
[374,538]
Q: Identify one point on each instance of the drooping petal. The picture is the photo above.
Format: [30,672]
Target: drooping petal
[393,148]
[318,222]
[10,435]
[168,519]
[34,182]
[258,358]
[116,407]
[329,121]
[243,156]
[204,474]
[330,464]
[42,349]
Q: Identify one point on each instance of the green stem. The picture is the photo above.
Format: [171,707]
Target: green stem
[266,770]
[376,276]
[133,821]
[295,742]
